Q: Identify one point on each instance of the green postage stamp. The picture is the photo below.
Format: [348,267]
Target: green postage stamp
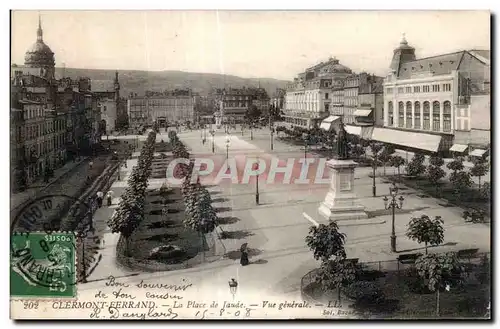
[42,265]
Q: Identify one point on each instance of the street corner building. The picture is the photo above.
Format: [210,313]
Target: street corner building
[54,118]
[437,104]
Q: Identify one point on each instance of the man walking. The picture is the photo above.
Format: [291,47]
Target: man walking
[100,196]
[109,197]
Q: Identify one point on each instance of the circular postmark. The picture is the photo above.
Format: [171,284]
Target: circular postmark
[54,242]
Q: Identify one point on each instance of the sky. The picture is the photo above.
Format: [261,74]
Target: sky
[250,44]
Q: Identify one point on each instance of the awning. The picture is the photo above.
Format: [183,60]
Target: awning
[477,153]
[353,130]
[362,113]
[326,124]
[460,148]
[410,139]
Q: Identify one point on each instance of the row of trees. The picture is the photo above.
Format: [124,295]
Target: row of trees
[130,211]
[200,216]
[383,155]
[339,273]
[460,178]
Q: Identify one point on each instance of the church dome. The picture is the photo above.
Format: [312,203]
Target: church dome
[39,53]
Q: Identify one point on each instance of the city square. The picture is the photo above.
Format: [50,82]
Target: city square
[194,205]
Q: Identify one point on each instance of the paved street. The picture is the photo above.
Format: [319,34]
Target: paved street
[275,230]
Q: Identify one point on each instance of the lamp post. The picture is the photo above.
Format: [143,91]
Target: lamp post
[374,165]
[256,167]
[233,287]
[393,204]
[305,137]
[272,133]
[212,132]
[228,142]
[251,131]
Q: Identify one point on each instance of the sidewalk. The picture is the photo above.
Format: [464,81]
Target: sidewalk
[108,265]
[36,189]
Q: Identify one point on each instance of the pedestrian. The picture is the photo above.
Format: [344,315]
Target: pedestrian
[100,196]
[244,255]
[109,197]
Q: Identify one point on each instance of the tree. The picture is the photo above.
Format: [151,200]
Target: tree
[456,165]
[461,180]
[435,172]
[480,169]
[397,161]
[253,113]
[439,271]
[375,149]
[386,155]
[357,151]
[335,274]
[416,166]
[426,230]
[326,241]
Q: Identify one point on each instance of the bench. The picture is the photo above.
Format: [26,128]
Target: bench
[467,253]
[353,261]
[408,258]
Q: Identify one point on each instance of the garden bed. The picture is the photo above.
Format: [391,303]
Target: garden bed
[402,301]
[157,230]
[469,199]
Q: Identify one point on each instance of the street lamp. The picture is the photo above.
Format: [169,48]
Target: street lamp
[393,204]
[272,133]
[305,137]
[233,287]
[228,142]
[212,132]
[374,165]
[251,131]
[256,167]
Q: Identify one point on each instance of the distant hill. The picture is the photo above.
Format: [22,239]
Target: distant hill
[140,81]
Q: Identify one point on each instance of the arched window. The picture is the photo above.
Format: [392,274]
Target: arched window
[435,116]
[401,114]
[391,113]
[447,116]
[409,115]
[417,116]
[427,114]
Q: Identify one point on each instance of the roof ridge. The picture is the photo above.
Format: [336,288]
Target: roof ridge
[419,59]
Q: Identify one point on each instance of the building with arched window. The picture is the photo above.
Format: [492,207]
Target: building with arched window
[434,98]
[308,98]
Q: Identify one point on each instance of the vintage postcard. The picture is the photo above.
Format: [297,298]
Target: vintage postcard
[250,165]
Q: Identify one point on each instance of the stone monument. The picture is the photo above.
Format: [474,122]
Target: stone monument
[341,203]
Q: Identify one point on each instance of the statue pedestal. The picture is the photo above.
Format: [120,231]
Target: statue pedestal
[341,202]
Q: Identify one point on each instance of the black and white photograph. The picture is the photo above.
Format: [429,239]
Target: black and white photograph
[250,164]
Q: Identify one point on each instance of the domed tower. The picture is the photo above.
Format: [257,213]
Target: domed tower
[404,53]
[40,55]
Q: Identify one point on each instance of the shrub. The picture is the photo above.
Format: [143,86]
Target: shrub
[365,292]
[486,191]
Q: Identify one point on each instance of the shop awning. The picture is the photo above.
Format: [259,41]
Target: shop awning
[353,130]
[326,124]
[477,153]
[362,113]
[460,148]
[410,139]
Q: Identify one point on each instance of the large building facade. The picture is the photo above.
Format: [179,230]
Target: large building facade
[162,107]
[52,120]
[429,101]
[232,104]
[308,98]
[107,92]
